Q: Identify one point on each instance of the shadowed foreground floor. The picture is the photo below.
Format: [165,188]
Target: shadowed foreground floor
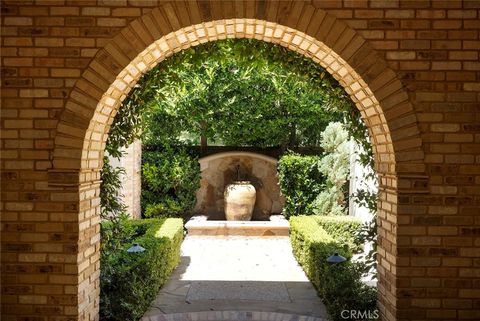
[248,278]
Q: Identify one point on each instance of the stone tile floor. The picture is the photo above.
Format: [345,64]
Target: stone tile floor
[237,273]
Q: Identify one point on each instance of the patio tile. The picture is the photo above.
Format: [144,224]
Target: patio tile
[239,274]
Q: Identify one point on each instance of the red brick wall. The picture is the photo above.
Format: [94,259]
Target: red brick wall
[418,59]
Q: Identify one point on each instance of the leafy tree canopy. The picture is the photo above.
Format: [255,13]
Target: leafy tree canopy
[233,92]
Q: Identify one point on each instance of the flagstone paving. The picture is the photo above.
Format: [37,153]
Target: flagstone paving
[237,273]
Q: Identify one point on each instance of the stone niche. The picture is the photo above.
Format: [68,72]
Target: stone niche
[220,169]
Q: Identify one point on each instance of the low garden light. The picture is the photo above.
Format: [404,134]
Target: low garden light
[136,248]
[336,258]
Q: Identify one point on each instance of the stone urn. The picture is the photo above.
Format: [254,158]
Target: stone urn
[239,200]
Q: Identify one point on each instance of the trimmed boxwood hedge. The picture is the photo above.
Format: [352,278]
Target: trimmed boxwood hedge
[311,244]
[129,282]
[342,229]
[339,286]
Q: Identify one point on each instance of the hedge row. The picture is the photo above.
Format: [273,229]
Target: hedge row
[129,282]
[342,229]
[339,285]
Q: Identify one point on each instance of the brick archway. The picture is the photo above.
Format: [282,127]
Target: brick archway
[97,95]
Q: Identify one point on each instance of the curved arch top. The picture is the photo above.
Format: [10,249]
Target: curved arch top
[299,26]
[83,127]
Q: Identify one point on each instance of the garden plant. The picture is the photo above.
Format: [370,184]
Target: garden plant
[237,93]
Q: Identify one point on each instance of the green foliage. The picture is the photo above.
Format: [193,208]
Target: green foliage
[170,179]
[129,282]
[129,122]
[114,232]
[312,245]
[110,197]
[342,289]
[235,92]
[112,209]
[166,207]
[368,198]
[238,92]
[317,185]
[339,286]
[365,197]
[300,182]
[368,234]
[335,165]
[343,229]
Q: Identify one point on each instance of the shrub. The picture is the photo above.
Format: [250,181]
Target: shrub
[343,229]
[342,289]
[169,183]
[111,203]
[166,207]
[300,182]
[115,232]
[312,245]
[129,282]
[335,165]
[339,286]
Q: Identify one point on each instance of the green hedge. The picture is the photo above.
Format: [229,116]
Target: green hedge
[170,180]
[343,229]
[300,182]
[311,244]
[129,282]
[339,286]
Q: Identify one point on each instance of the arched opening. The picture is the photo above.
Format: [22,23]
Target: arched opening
[83,128]
[183,99]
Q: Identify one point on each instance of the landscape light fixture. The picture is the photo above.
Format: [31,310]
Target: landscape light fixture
[136,248]
[336,258]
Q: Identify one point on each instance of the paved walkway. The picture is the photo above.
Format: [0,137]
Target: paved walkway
[238,274]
